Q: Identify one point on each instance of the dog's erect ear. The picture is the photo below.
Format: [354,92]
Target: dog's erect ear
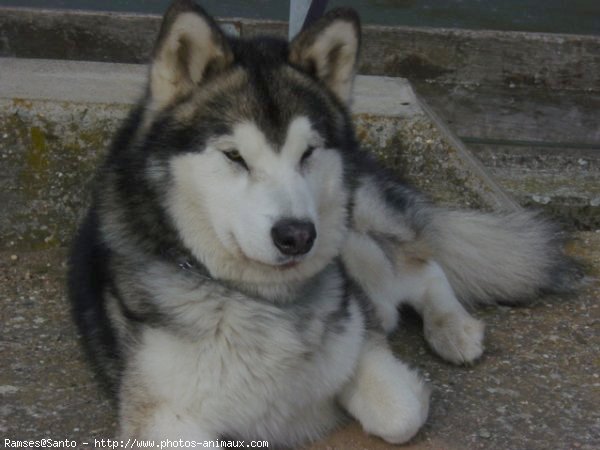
[190,49]
[328,49]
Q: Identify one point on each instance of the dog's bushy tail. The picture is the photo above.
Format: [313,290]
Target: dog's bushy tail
[500,258]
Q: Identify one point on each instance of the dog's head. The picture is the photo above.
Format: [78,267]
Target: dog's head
[249,137]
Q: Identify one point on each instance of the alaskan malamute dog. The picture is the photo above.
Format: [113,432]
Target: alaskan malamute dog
[243,258]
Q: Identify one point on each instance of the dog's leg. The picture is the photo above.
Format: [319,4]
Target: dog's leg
[368,265]
[145,416]
[161,423]
[384,395]
[390,277]
[165,425]
[449,329]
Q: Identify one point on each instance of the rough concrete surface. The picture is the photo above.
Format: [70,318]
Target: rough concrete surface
[541,145]
[57,119]
[443,55]
[537,387]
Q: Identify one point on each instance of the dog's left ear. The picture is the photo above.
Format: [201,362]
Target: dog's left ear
[190,49]
[328,49]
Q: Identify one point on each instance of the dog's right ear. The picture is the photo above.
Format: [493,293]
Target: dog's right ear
[190,49]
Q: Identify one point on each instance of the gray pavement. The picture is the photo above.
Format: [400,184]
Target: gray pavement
[537,387]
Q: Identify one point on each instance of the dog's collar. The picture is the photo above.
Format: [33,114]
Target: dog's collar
[186,262]
[189,265]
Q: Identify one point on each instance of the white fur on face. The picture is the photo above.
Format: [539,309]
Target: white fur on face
[225,212]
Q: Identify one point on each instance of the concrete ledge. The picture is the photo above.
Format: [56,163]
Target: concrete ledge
[71,81]
[555,61]
[114,83]
[57,119]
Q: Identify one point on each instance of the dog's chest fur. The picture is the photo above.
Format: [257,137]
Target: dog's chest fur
[263,356]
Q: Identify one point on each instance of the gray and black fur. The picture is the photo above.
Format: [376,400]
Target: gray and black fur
[134,279]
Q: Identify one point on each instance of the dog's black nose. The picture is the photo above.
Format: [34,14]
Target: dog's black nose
[293,237]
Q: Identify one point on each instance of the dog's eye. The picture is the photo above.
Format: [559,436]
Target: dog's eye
[234,155]
[309,151]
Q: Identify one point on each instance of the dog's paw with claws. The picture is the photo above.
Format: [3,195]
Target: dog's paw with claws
[458,338]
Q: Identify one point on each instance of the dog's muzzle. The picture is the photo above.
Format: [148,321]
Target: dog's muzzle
[293,237]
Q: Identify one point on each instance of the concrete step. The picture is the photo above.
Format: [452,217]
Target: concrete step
[536,387]
[573,201]
[541,145]
[563,182]
[439,55]
[57,119]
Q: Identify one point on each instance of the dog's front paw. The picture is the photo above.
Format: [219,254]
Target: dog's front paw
[457,338]
[389,399]
[399,412]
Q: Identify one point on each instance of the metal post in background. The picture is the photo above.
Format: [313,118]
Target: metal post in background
[298,11]
[303,13]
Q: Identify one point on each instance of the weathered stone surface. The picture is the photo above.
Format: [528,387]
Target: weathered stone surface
[541,145]
[57,120]
[537,386]
[48,154]
[440,55]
